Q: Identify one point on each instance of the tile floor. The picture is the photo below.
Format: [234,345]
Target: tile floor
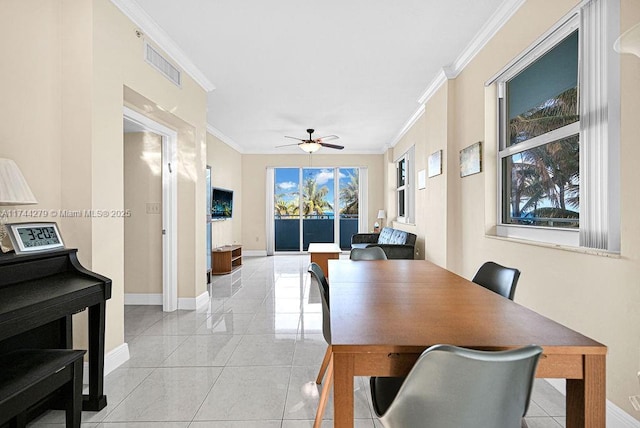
[248,359]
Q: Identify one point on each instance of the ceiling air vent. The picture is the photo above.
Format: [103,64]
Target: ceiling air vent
[161,64]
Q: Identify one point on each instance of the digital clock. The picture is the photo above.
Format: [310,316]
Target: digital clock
[32,237]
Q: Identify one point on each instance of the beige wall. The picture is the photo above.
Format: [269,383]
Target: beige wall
[429,134]
[226,172]
[596,295]
[434,206]
[254,187]
[32,101]
[70,62]
[143,225]
[415,137]
[120,77]
[46,116]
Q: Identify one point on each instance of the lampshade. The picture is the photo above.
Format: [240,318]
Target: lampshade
[14,189]
[310,146]
[629,41]
[381,214]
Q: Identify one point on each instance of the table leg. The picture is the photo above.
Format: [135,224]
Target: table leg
[96,400]
[343,372]
[586,398]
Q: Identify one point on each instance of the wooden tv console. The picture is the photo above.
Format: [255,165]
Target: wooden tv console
[225,259]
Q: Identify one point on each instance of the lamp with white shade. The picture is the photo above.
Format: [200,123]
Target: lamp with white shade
[14,190]
[629,41]
[381,216]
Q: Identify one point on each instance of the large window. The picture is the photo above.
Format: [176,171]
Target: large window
[315,205]
[557,132]
[540,153]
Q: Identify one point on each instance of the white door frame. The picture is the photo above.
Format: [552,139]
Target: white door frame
[169,206]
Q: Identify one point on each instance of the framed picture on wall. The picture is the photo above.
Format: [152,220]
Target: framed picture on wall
[471,159]
[422,179]
[435,163]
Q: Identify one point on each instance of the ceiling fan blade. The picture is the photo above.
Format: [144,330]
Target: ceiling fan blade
[288,145]
[331,146]
[294,138]
[327,138]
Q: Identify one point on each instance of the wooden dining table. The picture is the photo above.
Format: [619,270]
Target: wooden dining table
[385,313]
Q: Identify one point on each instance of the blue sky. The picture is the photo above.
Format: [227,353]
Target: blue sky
[287,179]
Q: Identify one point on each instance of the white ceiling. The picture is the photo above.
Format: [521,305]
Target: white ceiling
[354,68]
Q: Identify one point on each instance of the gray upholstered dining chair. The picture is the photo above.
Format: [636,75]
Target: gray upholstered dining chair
[317,276]
[371,253]
[492,276]
[453,387]
[498,278]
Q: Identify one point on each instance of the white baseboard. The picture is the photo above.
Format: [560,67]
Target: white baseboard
[193,303]
[112,360]
[254,253]
[143,299]
[616,417]
[186,303]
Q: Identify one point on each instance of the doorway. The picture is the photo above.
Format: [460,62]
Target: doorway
[150,193]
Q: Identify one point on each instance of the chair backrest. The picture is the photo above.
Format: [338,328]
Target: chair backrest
[452,387]
[323,285]
[371,253]
[497,278]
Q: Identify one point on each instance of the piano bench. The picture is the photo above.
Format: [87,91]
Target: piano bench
[30,375]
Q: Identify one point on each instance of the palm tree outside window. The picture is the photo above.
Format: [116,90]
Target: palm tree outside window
[541,146]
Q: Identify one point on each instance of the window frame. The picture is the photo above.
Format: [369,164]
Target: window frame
[598,24]
[407,187]
[561,236]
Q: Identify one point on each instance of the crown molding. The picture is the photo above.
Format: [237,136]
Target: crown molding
[384,149]
[222,137]
[408,125]
[501,16]
[153,31]
[435,84]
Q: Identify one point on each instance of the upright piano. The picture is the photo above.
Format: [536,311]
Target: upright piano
[39,293]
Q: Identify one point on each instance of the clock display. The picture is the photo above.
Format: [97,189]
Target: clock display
[38,236]
[32,237]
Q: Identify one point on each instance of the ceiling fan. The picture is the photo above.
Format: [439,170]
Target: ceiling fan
[311,145]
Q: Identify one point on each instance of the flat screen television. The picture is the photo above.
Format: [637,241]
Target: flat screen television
[221,203]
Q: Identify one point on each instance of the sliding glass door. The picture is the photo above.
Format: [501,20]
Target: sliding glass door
[287,209]
[318,201]
[315,205]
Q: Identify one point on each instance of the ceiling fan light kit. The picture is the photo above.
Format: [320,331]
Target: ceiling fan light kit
[312,145]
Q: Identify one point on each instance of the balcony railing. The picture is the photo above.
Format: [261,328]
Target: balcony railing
[316,228]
